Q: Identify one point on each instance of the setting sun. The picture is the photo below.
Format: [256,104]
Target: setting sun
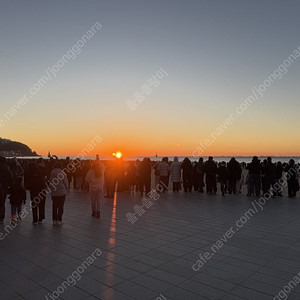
[118,154]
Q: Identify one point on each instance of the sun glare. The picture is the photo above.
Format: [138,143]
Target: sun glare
[117,154]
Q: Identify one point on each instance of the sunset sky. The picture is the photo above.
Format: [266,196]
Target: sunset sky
[214,54]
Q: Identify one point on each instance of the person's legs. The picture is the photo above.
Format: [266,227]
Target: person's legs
[293,187]
[196,183]
[34,212]
[156,180]
[190,184]
[61,202]
[74,182]
[54,208]
[238,186]
[201,184]
[113,187]
[267,186]
[164,180]
[141,188]
[214,185]
[278,188]
[13,213]
[257,185]
[184,183]
[93,203]
[41,216]
[34,204]
[79,182]
[178,186]
[209,184]
[148,185]
[2,207]
[229,186]
[174,186]
[69,180]
[263,184]
[208,187]
[233,186]
[19,209]
[251,185]
[222,184]
[98,202]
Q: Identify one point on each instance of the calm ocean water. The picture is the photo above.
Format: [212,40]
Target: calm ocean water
[245,159]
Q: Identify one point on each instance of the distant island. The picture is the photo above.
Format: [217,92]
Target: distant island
[10,148]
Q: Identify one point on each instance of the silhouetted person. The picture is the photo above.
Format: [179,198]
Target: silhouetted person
[187,175]
[16,169]
[77,175]
[269,172]
[175,169]
[6,179]
[131,176]
[262,175]
[145,173]
[278,176]
[200,174]
[164,169]
[59,189]
[110,180]
[223,177]
[68,165]
[35,181]
[119,172]
[195,181]
[210,169]
[1,197]
[86,165]
[156,173]
[95,178]
[234,174]
[17,196]
[254,177]
[292,178]
[138,175]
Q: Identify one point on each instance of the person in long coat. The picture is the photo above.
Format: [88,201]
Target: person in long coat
[187,175]
[175,169]
[210,169]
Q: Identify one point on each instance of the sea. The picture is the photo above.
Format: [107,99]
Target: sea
[246,159]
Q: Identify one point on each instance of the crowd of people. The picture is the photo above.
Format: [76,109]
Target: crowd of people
[102,178]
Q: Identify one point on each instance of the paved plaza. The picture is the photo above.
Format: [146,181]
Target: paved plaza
[185,246]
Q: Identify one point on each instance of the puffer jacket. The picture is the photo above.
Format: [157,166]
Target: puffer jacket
[175,169]
[58,182]
[163,169]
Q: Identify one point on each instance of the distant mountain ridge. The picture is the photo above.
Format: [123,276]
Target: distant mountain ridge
[10,148]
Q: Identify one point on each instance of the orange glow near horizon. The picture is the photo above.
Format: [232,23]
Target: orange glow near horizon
[147,141]
[220,147]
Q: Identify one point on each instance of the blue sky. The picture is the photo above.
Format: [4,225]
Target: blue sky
[215,52]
